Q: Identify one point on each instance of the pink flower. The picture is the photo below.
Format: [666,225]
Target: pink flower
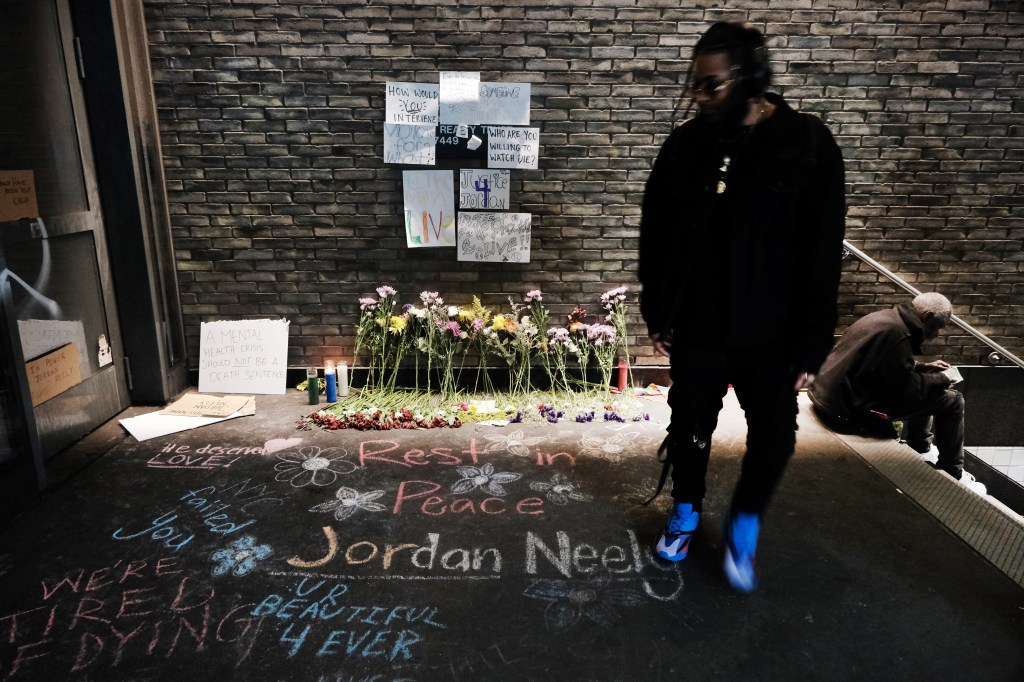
[453,327]
[533,296]
[385,291]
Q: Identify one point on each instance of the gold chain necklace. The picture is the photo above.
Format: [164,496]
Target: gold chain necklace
[723,170]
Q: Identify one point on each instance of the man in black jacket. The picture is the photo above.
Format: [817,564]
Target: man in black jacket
[740,257]
[872,371]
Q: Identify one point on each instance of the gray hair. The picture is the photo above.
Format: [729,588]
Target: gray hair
[934,303]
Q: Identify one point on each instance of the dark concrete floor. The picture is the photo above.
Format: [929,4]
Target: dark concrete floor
[171,560]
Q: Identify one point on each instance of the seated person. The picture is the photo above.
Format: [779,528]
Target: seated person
[871,379]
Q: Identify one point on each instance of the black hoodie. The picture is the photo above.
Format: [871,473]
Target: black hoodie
[872,368]
[759,264]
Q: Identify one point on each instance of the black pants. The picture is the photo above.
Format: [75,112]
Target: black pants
[764,386]
[944,414]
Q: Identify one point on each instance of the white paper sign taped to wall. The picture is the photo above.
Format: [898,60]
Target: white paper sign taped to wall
[243,356]
[411,103]
[512,147]
[494,237]
[505,104]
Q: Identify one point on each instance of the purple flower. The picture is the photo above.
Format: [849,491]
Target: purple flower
[385,291]
[453,327]
[477,324]
[558,334]
[613,417]
[585,417]
[599,334]
[609,299]
[368,304]
[533,296]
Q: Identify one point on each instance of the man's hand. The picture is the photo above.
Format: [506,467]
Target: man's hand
[932,367]
[803,380]
[662,344]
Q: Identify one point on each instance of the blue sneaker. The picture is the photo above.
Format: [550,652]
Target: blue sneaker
[740,549]
[674,541]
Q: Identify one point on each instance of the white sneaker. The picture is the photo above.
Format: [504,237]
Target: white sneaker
[968,481]
[932,456]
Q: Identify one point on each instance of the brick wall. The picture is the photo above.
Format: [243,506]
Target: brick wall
[271,116]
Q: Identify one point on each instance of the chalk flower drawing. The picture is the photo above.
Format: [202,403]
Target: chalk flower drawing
[484,478]
[568,604]
[312,465]
[514,442]
[560,490]
[349,501]
[240,557]
[613,448]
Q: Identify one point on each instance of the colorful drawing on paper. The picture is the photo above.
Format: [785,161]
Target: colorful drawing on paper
[429,208]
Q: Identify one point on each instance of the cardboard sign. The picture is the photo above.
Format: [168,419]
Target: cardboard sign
[197,405]
[243,356]
[17,195]
[53,373]
[41,336]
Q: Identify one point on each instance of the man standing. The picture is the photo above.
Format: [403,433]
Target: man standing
[872,370]
[740,257]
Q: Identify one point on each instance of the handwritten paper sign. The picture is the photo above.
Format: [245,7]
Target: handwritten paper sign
[410,144]
[243,356]
[411,103]
[53,373]
[484,189]
[197,405]
[505,104]
[512,147]
[429,208]
[42,336]
[494,237]
[460,96]
[18,195]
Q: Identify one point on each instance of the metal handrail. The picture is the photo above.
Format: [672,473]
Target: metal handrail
[896,279]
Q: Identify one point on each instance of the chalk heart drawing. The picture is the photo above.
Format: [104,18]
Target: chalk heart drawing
[279,444]
[313,466]
[240,557]
[514,442]
[561,490]
[348,501]
[570,603]
[483,478]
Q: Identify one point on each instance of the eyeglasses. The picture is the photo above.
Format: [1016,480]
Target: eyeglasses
[710,88]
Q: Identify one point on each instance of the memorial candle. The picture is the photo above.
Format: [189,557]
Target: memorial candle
[342,379]
[313,385]
[332,382]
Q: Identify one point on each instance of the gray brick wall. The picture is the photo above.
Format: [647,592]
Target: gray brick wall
[271,116]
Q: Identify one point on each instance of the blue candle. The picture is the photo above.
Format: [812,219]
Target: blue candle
[332,382]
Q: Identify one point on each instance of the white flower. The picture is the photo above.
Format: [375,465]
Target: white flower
[348,502]
[453,311]
[311,465]
[484,478]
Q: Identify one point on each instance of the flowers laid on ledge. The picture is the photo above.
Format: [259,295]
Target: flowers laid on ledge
[393,336]
[440,338]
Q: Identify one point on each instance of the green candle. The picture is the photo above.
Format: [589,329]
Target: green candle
[313,385]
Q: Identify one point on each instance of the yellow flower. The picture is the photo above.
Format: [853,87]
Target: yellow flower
[397,325]
[465,315]
[499,322]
